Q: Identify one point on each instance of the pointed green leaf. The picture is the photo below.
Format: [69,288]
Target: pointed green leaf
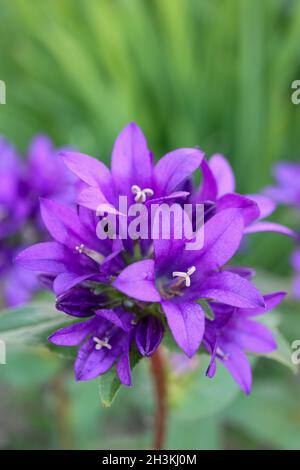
[110,384]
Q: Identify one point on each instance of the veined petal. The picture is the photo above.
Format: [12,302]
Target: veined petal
[238,365]
[138,281]
[47,257]
[94,199]
[131,162]
[186,322]
[67,280]
[73,335]
[249,208]
[90,170]
[175,167]
[64,225]
[208,190]
[117,318]
[230,289]
[251,335]
[91,363]
[223,174]
[222,237]
[123,367]
[271,302]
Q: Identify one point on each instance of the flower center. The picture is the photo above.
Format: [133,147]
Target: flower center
[184,277]
[141,194]
[101,343]
[94,255]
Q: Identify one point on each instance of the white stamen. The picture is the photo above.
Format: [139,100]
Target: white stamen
[141,194]
[186,276]
[90,253]
[101,343]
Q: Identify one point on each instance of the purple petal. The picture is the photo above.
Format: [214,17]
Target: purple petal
[175,167]
[222,237]
[238,365]
[90,170]
[64,225]
[93,198]
[186,322]
[138,281]
[131,161]
[73,335]
[67,280]
[270,227]
[250,210]
[223,174]
[123,368]
[251,335]
[91,363]
[271,302]
[120,319]
[230,289]
[166,247]
[208,190]
[48,257]
[265,204]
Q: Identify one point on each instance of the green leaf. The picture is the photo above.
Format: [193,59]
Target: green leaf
[110,384]
[29,325]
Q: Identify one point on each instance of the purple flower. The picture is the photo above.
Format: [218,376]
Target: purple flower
[233,332]
[103,340]
[22,183]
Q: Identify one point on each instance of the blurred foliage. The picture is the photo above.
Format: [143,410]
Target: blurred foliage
[213,73]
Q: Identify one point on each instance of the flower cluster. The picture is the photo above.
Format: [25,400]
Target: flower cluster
[129,293]
[286,191]
[22,183]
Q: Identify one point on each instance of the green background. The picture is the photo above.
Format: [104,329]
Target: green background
[212,73]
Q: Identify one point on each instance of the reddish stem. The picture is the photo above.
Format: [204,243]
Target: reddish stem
[159,378]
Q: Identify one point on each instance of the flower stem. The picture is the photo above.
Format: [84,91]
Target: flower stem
[159,378]
[62,410]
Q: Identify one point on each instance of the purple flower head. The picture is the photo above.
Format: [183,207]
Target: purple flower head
[22,183]
[129,292]
[233,332]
